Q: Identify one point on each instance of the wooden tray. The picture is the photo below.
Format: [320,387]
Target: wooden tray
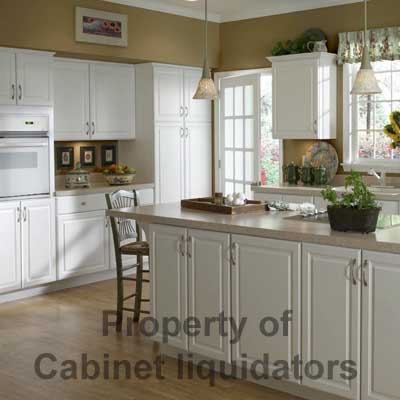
[206,204]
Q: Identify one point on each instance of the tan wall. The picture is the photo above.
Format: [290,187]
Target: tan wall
[153,36]
[245,44]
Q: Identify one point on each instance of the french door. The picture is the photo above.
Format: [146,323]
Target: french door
[240,133]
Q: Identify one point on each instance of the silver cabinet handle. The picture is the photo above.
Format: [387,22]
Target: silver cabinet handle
[24,214]
[180,246]
[315,127]
[18,214]
[88,128]
[189,244]
[182,132]
[181,111]
[187,133]
[353,265]
[20,92]
[364,274]
[12,92]
[233,253]
[93,128]
[186,111]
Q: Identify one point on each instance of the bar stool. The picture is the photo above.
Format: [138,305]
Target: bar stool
[127,237]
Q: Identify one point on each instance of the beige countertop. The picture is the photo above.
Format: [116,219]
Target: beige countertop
[100,187]
[274,225]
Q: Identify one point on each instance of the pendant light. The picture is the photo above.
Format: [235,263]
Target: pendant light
[206,89]
[366,83]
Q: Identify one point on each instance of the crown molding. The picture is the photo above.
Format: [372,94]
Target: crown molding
[249,13]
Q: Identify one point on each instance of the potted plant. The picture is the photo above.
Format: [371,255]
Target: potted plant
[356,210]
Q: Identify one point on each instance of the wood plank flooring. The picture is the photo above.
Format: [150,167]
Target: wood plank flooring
[69,323]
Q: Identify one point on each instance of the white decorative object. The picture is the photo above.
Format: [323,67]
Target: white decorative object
[100,27]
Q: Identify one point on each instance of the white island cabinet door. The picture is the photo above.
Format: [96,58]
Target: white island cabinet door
[82,244]
[331,317]
[10,248]
[71,100]
[112,102]
[168,280]
[381,327]
[34,80]
[38,242]
[8,90]
[209,291]
[266,282]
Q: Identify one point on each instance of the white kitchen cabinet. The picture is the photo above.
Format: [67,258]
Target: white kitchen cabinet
[82,243]
[8,88]
[38,242]
[198,158]
[196,110]
[295,199]
[168,279]
[266,282]
[381,326]
[168,94]
[71,100]
[93,101]
[320,203]
[209,290]
[304,96]
[34,80]
[267,197]
[26,77]
[10,249]
[331,315]
[170,163]
[112,101]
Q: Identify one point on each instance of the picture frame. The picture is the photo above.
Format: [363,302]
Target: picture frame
[108,154]
[100,27]
[88,156]
[65,158]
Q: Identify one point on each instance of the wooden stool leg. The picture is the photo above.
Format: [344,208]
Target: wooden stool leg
[139,287]
[120,294]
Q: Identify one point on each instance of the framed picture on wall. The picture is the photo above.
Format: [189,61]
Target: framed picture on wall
[100,27]
[88,156]
[108,154]
[65,157]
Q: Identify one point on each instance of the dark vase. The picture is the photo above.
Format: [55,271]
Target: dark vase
[353,220]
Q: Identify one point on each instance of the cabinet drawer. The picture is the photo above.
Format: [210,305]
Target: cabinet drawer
[268,197]
[77,204]
[289,198]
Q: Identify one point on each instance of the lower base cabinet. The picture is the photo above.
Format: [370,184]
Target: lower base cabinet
[82,244]
[265,285]
[331,317]
[381,327]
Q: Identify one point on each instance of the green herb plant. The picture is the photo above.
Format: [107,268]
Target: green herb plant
[357,195]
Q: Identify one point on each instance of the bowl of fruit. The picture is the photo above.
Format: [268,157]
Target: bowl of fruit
[117,175]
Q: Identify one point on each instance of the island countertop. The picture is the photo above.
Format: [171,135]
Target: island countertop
[271,224]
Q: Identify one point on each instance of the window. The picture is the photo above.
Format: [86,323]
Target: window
[365,117]
[247,152]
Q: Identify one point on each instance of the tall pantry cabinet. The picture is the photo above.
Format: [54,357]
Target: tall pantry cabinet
[173,140]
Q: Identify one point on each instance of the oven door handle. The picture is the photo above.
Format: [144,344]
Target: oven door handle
[12,145]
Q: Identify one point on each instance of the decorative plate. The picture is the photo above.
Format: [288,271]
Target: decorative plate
[323,154]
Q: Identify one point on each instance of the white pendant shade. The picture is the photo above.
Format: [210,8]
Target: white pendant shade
[366,83]
[206,89]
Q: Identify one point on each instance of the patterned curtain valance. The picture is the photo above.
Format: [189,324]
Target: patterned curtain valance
[384,45]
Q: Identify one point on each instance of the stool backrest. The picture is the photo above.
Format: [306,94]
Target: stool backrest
[123,229]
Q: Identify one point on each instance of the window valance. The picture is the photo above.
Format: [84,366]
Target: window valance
[384,45]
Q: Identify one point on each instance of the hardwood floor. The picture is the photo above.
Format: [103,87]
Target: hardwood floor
[69,323]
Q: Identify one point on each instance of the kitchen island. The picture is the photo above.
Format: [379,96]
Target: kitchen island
[339,289]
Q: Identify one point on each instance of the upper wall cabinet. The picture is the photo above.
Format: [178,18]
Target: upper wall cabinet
[94,101]
[26,78]
[304,96]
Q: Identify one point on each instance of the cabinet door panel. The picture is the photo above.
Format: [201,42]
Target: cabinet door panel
[331,315]
[266,283]
[8,94]
[112,102]
[198,161]
[10,248]
[381,327]
[196,111]
[71,100]
[209,290]
[170,163]
[82,241]
[168,94]
[38,242]
[34,80]
[295,92]
[168,278]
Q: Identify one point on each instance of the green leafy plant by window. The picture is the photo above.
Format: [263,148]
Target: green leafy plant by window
[357,195]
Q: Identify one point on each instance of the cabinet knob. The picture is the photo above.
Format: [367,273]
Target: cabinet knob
[83,203]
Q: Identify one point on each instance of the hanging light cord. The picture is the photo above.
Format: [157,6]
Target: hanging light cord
[206,31]
[365,22]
